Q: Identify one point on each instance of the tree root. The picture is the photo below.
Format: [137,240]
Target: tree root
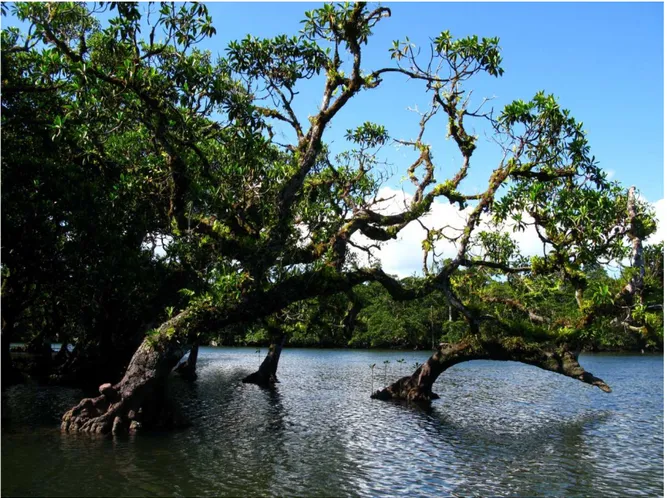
[139,399]
[112,413]
[261,379]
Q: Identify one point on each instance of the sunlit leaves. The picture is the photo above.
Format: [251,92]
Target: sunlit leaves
[484,54]
[368,135]
[498,247]
[187,144]
[282,60]
[338,22]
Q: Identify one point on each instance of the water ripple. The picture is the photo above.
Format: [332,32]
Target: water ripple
[501,429]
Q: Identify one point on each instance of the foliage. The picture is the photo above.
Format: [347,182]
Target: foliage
[425,322]
[137,141]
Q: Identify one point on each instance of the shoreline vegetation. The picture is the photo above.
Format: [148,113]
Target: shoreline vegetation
[585,349]
[39,366]
[16,350]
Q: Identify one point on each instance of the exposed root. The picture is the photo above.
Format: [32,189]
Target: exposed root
[138,400]
[113,413]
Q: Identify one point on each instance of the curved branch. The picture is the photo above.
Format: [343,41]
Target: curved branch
[418,386]
[497,266]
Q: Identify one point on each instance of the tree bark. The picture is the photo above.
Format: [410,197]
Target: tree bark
[579,296]
[636,283]
[266,375]
[350,319]
[138,399]
[127,404]
[418,386]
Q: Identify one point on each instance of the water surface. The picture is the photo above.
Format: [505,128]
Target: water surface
[501,429]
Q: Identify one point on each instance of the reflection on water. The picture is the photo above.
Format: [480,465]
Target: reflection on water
[498,429]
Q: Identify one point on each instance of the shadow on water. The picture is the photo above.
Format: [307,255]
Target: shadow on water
[497,430]
[247,441]
[545,457]
[510,429]
[33,405]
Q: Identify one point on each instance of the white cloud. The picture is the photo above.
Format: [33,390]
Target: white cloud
[660,209]
[403,256]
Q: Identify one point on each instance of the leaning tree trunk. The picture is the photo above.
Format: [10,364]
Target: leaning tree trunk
[418,386]
[127,404]
[266,375]
[350,319]
[138,399]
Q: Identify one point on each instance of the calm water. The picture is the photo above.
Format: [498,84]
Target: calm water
[499,429]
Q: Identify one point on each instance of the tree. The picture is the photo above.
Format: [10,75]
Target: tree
[76,264]
[270,224]
[384,322]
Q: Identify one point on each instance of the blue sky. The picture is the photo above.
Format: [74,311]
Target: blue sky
[604,61]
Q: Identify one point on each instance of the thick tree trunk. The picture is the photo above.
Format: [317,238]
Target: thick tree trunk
[138,399]
[266,375]
[636,283]
[350,319]
[126,405]
[418,386]
[187,369]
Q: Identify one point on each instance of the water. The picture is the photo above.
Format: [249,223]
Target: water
[499,429]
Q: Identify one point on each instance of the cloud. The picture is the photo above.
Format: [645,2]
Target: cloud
[403,256]
[660,208]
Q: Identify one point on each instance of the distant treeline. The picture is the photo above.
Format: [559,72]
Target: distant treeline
[370,318]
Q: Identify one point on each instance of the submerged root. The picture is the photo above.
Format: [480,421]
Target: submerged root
[113,413]
[188,369]
[103,414]
[265,376]
[261,379]
[138,400]
[406,388]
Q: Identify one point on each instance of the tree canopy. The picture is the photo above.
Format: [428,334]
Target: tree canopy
[123,136]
